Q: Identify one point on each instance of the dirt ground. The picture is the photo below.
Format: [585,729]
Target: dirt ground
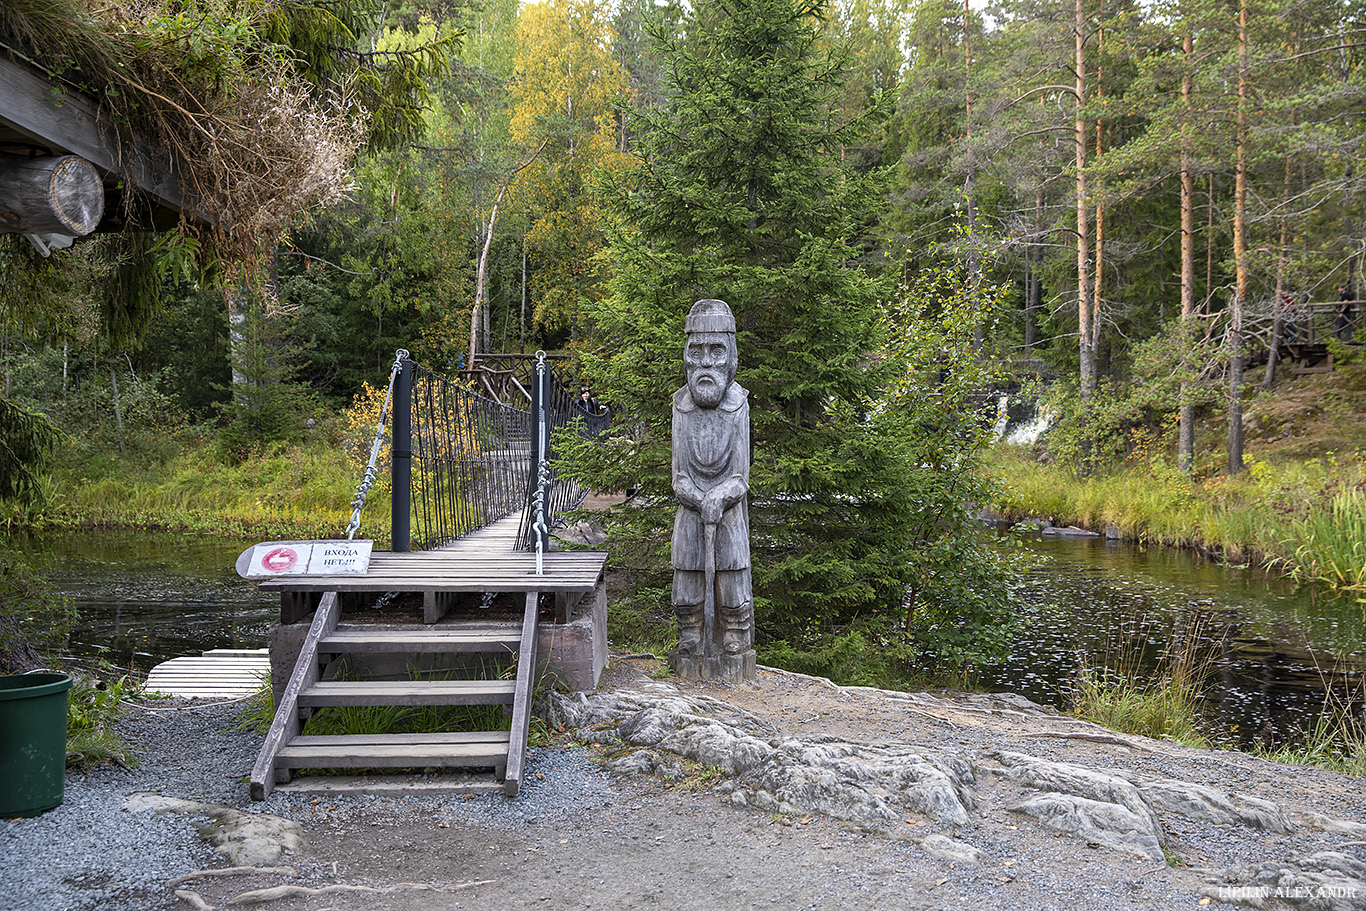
[624,842]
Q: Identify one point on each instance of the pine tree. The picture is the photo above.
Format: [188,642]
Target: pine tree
[741,196]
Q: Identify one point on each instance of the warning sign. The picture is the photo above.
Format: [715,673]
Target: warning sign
[333,558]
[277,558]
[280,559]
[305,558]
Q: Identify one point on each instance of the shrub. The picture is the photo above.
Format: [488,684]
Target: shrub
[34,620]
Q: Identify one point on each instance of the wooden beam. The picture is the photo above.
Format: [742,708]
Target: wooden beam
[521,704]
[55,194]
[285,726]
[407,692]
[68,122]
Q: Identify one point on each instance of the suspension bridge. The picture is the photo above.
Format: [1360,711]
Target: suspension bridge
[472,599]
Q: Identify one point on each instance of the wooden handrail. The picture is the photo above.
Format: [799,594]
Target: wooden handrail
[285,726]
[521,704]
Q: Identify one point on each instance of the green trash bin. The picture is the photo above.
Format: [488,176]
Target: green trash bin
[32,742]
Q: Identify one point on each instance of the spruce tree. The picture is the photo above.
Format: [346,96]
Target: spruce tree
[741,195]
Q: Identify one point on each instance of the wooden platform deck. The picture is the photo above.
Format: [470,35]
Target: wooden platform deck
[482,561]
[217,673]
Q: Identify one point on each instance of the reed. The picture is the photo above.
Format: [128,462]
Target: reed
[1330,544]
[299,490]
[1158,699]
[1336,740]
[1336,743]
[1164,706]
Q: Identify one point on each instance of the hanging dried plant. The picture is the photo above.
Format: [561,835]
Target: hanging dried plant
[252,143]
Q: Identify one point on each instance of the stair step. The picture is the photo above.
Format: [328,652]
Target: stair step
[409,692]
[466,783]
[508,639]
[482,748]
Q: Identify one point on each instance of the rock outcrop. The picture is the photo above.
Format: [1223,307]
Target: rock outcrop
[655,729]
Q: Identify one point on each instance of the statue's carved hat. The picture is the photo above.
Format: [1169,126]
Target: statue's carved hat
[710,316]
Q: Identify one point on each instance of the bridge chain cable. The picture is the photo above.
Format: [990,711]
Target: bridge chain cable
[368,480]
[552,494]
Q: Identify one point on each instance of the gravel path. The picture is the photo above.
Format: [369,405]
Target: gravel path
[579,837]
[89,853]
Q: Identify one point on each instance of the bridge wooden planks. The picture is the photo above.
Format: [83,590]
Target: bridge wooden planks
[482,561]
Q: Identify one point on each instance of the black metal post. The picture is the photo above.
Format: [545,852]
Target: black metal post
[401,498]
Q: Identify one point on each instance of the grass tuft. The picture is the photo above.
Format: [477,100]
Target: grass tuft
[1129,698]
[93,707]
[1164,708]
[1335,741]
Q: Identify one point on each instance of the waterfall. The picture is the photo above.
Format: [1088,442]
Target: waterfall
[1002,416]
[1020,422]
[1028,433]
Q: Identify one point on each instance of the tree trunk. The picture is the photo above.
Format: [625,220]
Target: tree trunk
[1034,284]
[118,408]
[970,188]
[488,320]
[1098,266]
[58,194]
[1235,330]
[481,280]
[1277,320]
[1083,216]
[521,317]
[481,275]
[1185,442]
[235,299]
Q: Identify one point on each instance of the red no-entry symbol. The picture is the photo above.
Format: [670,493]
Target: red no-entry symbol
[280,559]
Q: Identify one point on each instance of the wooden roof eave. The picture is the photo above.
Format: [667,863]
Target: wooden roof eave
[66,122]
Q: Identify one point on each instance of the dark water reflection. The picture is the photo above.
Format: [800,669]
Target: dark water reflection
[1268,651]
[145,597]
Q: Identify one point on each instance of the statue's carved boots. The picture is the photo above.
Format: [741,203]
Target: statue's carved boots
[736,623]
[689,628]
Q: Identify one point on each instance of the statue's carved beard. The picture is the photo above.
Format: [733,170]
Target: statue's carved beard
[707,387]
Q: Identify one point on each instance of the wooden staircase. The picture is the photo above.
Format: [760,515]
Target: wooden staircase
[286,749]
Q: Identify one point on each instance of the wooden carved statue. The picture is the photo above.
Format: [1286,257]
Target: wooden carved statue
[710,552]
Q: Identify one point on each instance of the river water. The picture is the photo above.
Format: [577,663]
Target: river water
[143,597]
[1268,651]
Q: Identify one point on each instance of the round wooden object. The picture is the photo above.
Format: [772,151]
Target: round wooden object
[52,195]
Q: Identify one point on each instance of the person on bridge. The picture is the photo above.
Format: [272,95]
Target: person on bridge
[710,547]
[588,404]
[1342,326]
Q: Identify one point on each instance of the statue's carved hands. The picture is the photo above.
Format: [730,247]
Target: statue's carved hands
[713,504]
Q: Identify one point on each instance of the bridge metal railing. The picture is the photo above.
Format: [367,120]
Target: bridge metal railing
[1314,322]
[461,461]
[469,459]
[553,407]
